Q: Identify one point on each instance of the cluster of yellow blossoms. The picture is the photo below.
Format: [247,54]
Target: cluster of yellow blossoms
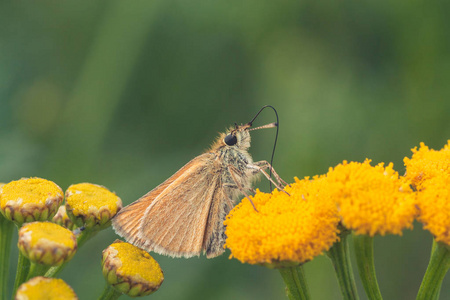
[369,200]
[50,233]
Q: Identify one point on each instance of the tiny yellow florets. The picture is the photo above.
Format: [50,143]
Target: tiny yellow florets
[45,288]
[137,263]
[427,163]
[30,199]
[434,207]
[40,232]
[286,229]
[29,191]
[372,200]
[87,197]
[429,170]
[91,205]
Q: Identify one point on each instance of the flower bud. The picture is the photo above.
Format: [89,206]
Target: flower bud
[30,199]
[46,243]
[62,219]
[131,270]
[91,205]
[45,288]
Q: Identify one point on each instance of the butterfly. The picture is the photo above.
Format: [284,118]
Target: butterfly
[184,215]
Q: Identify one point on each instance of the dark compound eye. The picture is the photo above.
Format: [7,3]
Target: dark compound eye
[230,140]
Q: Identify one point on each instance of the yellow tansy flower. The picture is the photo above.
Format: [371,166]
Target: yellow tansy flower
[91,205]
[427,163]
[47,243]
[372,200]
[434,207]
[286,229]
[39,288]
[30,199]
[131,270]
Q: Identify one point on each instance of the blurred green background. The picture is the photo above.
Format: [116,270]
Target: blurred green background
[123,93]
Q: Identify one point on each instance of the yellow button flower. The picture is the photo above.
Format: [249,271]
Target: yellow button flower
[434,207]
[427,163]
[285,230]
[30,199]
[47,243]
[131,270]
[372,200]
[39,288]
[91,205]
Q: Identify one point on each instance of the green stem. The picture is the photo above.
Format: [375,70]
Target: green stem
[23,267]
[436,270]
[109,293]
[6,230]
[340,257]
[82,238]
[366,267]
[36,270]
[296,286]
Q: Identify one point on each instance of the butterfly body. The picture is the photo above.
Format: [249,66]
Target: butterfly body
[183,216]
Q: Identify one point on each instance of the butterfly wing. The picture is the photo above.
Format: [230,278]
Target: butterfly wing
[172,218]
[215,230]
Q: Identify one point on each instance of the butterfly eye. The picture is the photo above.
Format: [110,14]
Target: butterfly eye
[230,140]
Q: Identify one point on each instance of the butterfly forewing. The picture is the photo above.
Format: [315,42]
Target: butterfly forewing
[215,231]
[173,219]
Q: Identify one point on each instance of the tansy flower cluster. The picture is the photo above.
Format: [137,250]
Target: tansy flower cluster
[372,199]
[310,216]
[291,227]
[46,247]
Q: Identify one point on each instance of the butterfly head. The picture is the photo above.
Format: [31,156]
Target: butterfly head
[239,135]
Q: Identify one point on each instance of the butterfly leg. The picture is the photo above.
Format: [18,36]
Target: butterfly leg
[265,165]
[233,172]
[261,170]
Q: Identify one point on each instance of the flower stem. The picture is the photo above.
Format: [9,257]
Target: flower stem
[436,270]
[340,257]
[364,259]
[23,267]
[82,238]
[296,286]
[6,230]
[36,270]
[109,293]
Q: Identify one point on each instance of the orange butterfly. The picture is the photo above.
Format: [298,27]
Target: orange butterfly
[183,216]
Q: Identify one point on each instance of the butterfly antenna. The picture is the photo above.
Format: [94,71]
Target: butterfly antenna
[277,124]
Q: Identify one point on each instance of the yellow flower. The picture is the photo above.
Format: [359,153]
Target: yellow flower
[372,200]
[30,199]
[47,243]
[39,288]
[91,205]
[286,229]
[427,163]
[434,207]
[131,270]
